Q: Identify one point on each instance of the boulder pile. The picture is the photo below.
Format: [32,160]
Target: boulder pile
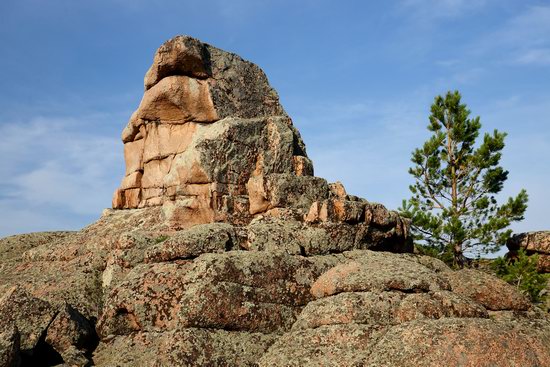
[223,249]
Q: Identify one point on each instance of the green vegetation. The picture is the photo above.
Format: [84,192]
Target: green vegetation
[453,207]
[522,273]
[160,239]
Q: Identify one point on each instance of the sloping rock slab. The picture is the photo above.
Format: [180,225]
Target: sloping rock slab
[188,347]
[493,293]
[462,342]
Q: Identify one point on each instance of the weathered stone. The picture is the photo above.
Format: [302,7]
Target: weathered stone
[31,315]
[179,56]
[239,88]
[295,237]
[295,191]
[336,210]
[187,347]
[436,305]
[176,100]
[385,308]
[13,247]
[247,291]
[462,342]
[272,234]
[188,244]
[369,271]
[367,308]
[493,293]
[9,345]
[531,242]
[210,142]
[303,166]
[72,336]
[330,345]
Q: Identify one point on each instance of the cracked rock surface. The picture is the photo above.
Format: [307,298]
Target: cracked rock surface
[223,249]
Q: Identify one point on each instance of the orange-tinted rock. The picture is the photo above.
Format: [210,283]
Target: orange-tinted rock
[462,342]
[133,155]
[493,293]
[394,272]
[531,242]
[179,56]
[231,253]
[302,166]
[231,291]
[210,142]
[72,336]
[176,100]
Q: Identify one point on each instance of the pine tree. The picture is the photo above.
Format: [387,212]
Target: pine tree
[453,205]
[522,273]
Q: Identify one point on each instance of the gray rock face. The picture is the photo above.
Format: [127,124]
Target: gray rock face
[9,345]
[210,143]
[229,252]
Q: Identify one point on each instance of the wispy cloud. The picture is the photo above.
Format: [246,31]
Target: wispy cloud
[522,40]
[429,10]
[50,165]
[365,144]
[536,56]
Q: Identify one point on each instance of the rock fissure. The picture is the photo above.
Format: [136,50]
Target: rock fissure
[223,249]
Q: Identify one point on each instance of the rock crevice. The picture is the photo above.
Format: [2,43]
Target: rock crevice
[223,249]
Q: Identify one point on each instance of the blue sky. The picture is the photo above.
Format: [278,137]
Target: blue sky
[357,77]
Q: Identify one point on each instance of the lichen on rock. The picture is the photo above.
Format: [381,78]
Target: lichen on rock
[223,249]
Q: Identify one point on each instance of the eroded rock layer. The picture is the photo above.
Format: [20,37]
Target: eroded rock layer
[206,135]
[229,252]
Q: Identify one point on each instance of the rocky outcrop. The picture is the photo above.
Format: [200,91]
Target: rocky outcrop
[42,333]
[533,243]
[9,345]
[207,133]
[210,142]
[223,249]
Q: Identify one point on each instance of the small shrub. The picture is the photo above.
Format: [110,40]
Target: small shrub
[160,239]
[522,273]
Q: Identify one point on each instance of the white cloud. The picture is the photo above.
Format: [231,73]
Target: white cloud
[537,56]
[51,165]
[531,27]
[522,40]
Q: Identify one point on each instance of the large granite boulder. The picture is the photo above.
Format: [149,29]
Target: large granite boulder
[223,249]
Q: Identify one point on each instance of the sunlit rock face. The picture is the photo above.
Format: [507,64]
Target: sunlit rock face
[224,250]
[207,137]
[210,142]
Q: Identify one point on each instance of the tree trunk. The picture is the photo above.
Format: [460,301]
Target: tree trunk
[459,258]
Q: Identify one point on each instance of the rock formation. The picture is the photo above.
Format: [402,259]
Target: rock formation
[223,249]
[533,243]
